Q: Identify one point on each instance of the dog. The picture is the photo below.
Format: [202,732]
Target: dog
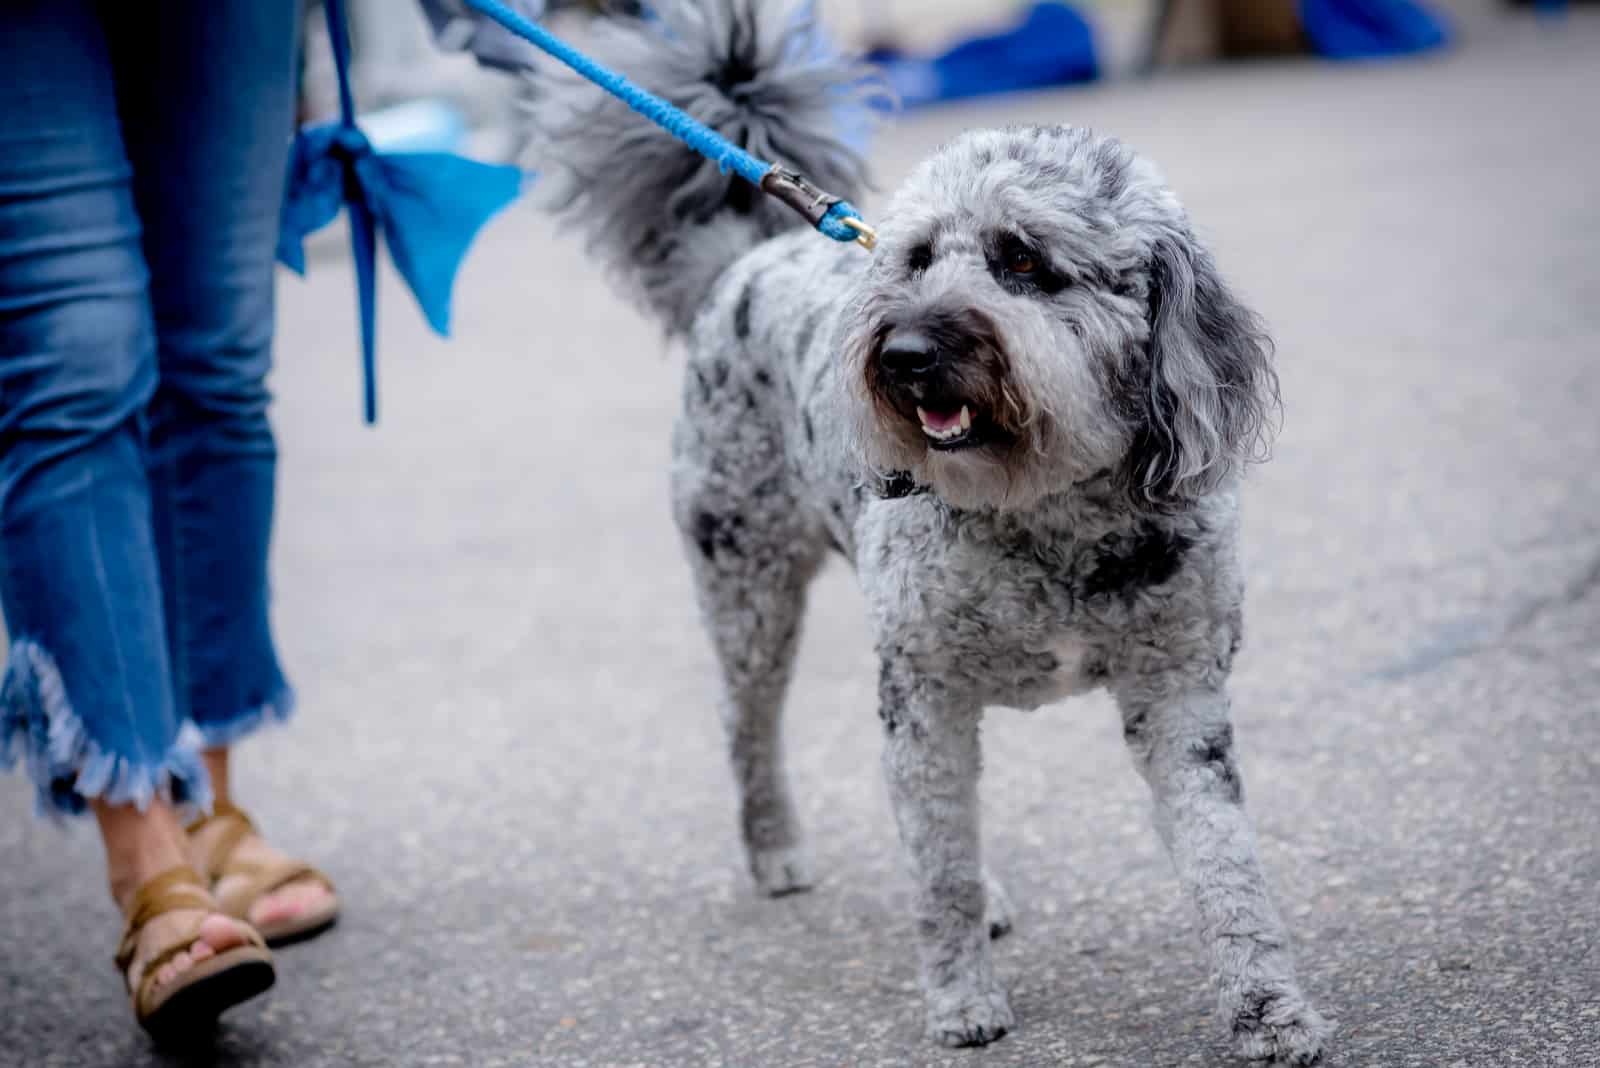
[1022,419]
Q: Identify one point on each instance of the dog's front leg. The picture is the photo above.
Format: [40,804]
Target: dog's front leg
[931,761]
[1183,746]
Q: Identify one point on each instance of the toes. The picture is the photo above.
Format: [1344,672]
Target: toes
[174,968]
[201,951]
[1281,1028]
[975,1019]
[272,908]
[313,894]
[289,902]
[220,933]
[782,871]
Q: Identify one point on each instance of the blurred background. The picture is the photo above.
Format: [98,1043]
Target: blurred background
[508,754]
[932,50]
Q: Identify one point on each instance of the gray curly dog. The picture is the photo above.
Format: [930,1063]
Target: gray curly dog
[1022,420]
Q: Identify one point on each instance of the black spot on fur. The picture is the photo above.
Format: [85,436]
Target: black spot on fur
[808,330]
[811,431]
[719,374]
[1127,564]
[891,694]
[897,484]
[715,534]
[741,313]
[764,377]
[1215,751]
[1133,726]
[1251,1014]
[1236,635]
[705,387]
[767,487]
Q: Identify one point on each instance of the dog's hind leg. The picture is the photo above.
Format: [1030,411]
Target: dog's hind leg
[1183,746]
[755,629]
[753,553]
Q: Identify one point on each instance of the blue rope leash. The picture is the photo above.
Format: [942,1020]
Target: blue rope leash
[835,217]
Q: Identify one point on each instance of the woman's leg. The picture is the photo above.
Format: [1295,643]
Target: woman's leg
[87,700]
[88,694]
[207,99]
[207,92]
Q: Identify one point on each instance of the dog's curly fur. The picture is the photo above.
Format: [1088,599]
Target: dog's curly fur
[1043,285]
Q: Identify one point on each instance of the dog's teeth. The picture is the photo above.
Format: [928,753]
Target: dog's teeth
[954,430]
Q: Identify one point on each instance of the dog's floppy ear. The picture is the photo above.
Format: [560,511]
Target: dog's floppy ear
[1211,395]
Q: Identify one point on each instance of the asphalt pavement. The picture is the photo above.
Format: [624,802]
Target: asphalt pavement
[508,757]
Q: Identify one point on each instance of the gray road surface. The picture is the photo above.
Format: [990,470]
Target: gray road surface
[508,757]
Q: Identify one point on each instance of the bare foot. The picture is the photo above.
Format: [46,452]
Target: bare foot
[217,934]
[281,905]
[139,847]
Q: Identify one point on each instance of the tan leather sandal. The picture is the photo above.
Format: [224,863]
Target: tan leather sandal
[194,999]
[252,881]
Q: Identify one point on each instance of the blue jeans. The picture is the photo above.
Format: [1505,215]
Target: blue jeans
[142,162]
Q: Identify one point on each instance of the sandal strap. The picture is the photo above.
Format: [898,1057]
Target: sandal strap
[258,880]
[239,826]
[172,890]
[153,965]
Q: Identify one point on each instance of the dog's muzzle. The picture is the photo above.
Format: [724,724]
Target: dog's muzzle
[931,372]
[908,355]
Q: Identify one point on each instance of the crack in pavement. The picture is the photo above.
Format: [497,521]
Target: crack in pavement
[1458,638]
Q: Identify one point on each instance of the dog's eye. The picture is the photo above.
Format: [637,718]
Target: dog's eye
[921,259]
[1019,258]
[1022,269]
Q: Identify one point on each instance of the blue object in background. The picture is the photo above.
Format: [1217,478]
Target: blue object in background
[1370,29]
[1053,45]
[427,125]
[428,205]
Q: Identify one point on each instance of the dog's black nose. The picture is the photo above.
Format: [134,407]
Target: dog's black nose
[908,354]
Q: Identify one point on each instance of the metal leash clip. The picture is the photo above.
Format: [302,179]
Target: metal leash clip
[812,203]
[866,236]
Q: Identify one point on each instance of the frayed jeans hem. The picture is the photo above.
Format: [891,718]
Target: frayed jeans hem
[68,768]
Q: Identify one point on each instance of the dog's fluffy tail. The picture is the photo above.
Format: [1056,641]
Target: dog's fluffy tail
[665,218]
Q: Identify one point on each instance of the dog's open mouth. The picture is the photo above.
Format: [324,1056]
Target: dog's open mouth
[948,428]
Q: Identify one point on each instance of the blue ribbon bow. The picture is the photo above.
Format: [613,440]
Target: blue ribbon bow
[429,206]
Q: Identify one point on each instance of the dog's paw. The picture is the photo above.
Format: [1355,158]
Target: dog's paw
[782,871]
[1276,1025]
[1001,914]
[974,1017]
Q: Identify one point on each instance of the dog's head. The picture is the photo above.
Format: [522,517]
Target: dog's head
[1038,314]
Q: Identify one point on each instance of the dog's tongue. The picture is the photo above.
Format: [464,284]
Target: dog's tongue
[939,420]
